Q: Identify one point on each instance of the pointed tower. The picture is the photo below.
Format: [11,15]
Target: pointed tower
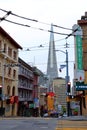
[52,71]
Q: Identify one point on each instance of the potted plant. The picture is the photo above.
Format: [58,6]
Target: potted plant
[75,111]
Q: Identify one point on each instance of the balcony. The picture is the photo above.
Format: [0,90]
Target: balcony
[25,98]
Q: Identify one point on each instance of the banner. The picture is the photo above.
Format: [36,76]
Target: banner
[79,53]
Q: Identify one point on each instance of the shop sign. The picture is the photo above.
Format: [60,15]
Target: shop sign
[81,86]
[79,52]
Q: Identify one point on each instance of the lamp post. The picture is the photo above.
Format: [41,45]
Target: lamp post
[67,80]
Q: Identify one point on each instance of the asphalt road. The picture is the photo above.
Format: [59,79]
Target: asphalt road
[39,123]
[71,124]
[28,124]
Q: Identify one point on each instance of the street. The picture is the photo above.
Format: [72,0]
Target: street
[28,124]
[38,123]
[72,125]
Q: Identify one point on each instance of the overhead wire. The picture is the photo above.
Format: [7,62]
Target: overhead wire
[34,20]
[5,16]
[10,12]
[34,27]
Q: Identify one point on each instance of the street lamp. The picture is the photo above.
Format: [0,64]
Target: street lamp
[67,80]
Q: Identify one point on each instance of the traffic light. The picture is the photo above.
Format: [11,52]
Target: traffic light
[0,92]
[69,87]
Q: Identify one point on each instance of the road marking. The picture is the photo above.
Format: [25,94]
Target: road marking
[71,128]
[44,127]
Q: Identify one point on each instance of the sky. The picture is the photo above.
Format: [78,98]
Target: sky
[64,13]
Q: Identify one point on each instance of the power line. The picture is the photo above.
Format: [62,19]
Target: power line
[5,16]
[10,12]
[68,35]
[34,20]
[34,27]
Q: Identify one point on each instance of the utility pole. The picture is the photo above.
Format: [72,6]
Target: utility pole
[67,81]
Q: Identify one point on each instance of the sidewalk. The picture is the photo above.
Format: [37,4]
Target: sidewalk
[78,118]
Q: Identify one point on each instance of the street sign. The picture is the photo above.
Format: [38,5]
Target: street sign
[81,86]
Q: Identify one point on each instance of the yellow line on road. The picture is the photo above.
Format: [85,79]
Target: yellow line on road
[71,125]
[71,128]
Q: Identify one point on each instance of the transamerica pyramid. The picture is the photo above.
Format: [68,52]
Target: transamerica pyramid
[52,70]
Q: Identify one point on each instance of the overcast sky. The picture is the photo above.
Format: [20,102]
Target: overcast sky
[63,13]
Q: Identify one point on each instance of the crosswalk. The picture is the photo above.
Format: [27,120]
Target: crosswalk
[71,125]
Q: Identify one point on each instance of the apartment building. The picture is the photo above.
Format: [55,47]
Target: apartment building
[25,89]
[8,74]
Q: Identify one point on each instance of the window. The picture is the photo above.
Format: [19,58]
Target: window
[14,73]
[13,91]
[0,67]
[0,45]
[5,48]
[10,51]
[9,71]
[8,90]
[14,55]
[4,70]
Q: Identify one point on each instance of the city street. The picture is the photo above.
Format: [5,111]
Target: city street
[72,125]
[28,123]
[38,123]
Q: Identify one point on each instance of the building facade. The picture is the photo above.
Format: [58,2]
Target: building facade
[8,74]
[59,87]
[25,89]
[83,24]
[35,91]
[80,68]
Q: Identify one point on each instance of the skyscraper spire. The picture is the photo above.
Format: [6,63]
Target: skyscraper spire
[52,71]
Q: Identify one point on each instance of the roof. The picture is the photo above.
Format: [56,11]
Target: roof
[81,22]
[22,62]
[59,78]
[2,31]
